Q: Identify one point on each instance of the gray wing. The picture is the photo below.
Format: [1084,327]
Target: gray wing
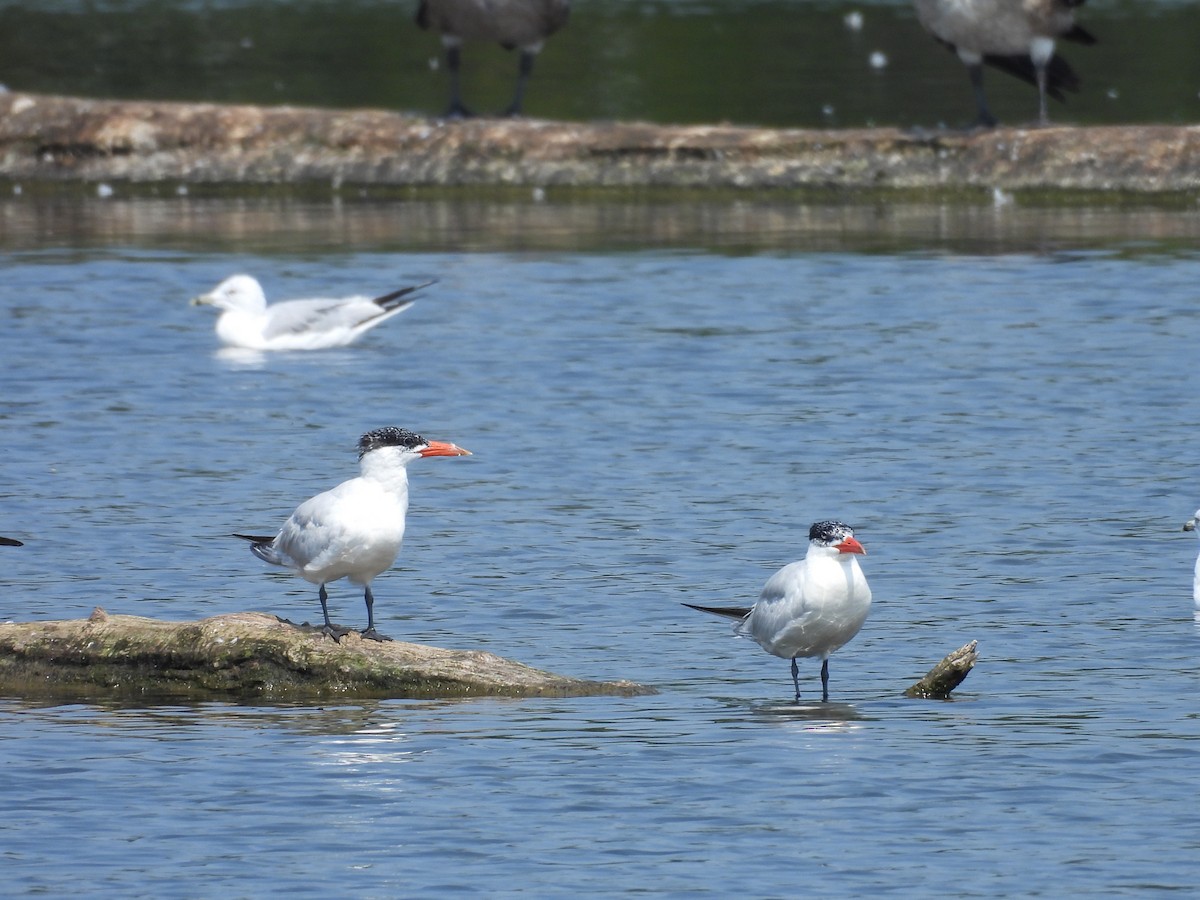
[315,316]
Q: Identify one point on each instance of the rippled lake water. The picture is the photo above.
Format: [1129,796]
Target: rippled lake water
[1008,416]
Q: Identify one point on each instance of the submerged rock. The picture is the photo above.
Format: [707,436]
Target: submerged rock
[257,655]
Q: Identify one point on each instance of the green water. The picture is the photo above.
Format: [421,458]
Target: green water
[771,62]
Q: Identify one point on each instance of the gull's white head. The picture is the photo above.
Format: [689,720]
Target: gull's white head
[833,539]
[240,292]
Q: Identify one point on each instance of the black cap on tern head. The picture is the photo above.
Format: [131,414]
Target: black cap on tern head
[829,532]
[388,437]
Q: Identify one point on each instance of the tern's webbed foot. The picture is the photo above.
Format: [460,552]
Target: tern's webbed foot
[336,632]
[370,634]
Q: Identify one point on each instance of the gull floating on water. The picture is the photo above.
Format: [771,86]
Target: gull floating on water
[354,530]
[247,321]
[811,607]
[1191,525]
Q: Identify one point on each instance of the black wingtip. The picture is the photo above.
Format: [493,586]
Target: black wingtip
[1059,74]
[726,612]
[388,301]
[1080,35]
[255,538]
[10,542]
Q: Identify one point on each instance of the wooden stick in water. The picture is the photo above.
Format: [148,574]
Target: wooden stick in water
[946,675]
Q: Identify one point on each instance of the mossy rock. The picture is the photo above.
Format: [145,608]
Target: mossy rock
[254,655]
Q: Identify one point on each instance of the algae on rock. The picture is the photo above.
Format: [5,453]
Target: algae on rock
[258,655]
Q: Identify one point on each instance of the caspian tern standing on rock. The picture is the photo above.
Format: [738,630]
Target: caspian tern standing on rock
[247,321]
[354,530]
[1191,525]
[811,607]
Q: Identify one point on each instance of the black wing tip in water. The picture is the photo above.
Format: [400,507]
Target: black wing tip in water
[387,301]
[10,542]
[727,612]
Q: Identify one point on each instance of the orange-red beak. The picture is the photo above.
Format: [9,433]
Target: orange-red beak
[443,448]
[850,545]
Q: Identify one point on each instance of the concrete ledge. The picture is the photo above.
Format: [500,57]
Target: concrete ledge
[46,138]
[256,655]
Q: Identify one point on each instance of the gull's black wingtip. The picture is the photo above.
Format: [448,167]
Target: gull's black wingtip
[388,301]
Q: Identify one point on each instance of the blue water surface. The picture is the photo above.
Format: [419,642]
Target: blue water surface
[1012,434]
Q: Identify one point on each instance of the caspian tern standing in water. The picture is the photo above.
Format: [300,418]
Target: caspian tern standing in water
[247,321]
[811,607]
[354,530]
[1191,525]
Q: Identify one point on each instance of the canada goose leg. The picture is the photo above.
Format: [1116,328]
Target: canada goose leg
[1043,118]
[1041,51]
[369,633]
[456,109]
[986,119]
[796,678]
[825,680]
[330,629]
[524,70]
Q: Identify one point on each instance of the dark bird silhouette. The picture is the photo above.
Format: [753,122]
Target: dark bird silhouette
[514,24]
[1014,36]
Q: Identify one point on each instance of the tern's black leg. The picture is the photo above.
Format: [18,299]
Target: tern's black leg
[825,680]
[453,63]
[796,678]
[369,633]
[986,119]
[524,70]
[330,629]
